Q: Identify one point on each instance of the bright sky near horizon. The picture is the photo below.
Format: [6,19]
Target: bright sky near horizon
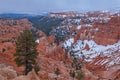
[39,6]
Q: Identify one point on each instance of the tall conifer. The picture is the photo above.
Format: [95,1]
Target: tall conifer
[26,53]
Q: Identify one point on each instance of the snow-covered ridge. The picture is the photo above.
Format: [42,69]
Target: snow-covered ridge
[94,49]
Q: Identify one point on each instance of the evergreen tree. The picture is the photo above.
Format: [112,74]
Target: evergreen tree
[26,52]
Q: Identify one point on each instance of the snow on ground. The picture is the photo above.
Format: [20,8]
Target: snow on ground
[37,41]
[94,51]
[78,27]
[68,43]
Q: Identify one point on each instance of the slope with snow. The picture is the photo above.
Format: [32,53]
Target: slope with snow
[95,50]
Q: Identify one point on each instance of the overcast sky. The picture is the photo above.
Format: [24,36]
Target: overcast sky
[40,6]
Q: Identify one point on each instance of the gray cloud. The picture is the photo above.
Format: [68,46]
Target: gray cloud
[38,6]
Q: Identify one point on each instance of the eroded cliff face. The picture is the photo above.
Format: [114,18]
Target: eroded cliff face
[101,33]
[9,31]
[7,72]
[51,56]
[107,63]
[96,44]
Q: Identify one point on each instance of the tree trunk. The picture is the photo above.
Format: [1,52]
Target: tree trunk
[26,68]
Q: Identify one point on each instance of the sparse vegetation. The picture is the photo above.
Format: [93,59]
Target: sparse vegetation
[3,50]
[57,72]
[79,75]
[72,73]
[45,23]
[76,71]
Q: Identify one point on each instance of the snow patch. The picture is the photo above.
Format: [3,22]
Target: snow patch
[78,27]
[37,41]
[94,51]
[68,43]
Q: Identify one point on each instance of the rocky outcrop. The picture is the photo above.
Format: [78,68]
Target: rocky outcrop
[7,72]
[103,34]
[96,43]
[9,31]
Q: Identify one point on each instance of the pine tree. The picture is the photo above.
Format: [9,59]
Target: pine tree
[26,52]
